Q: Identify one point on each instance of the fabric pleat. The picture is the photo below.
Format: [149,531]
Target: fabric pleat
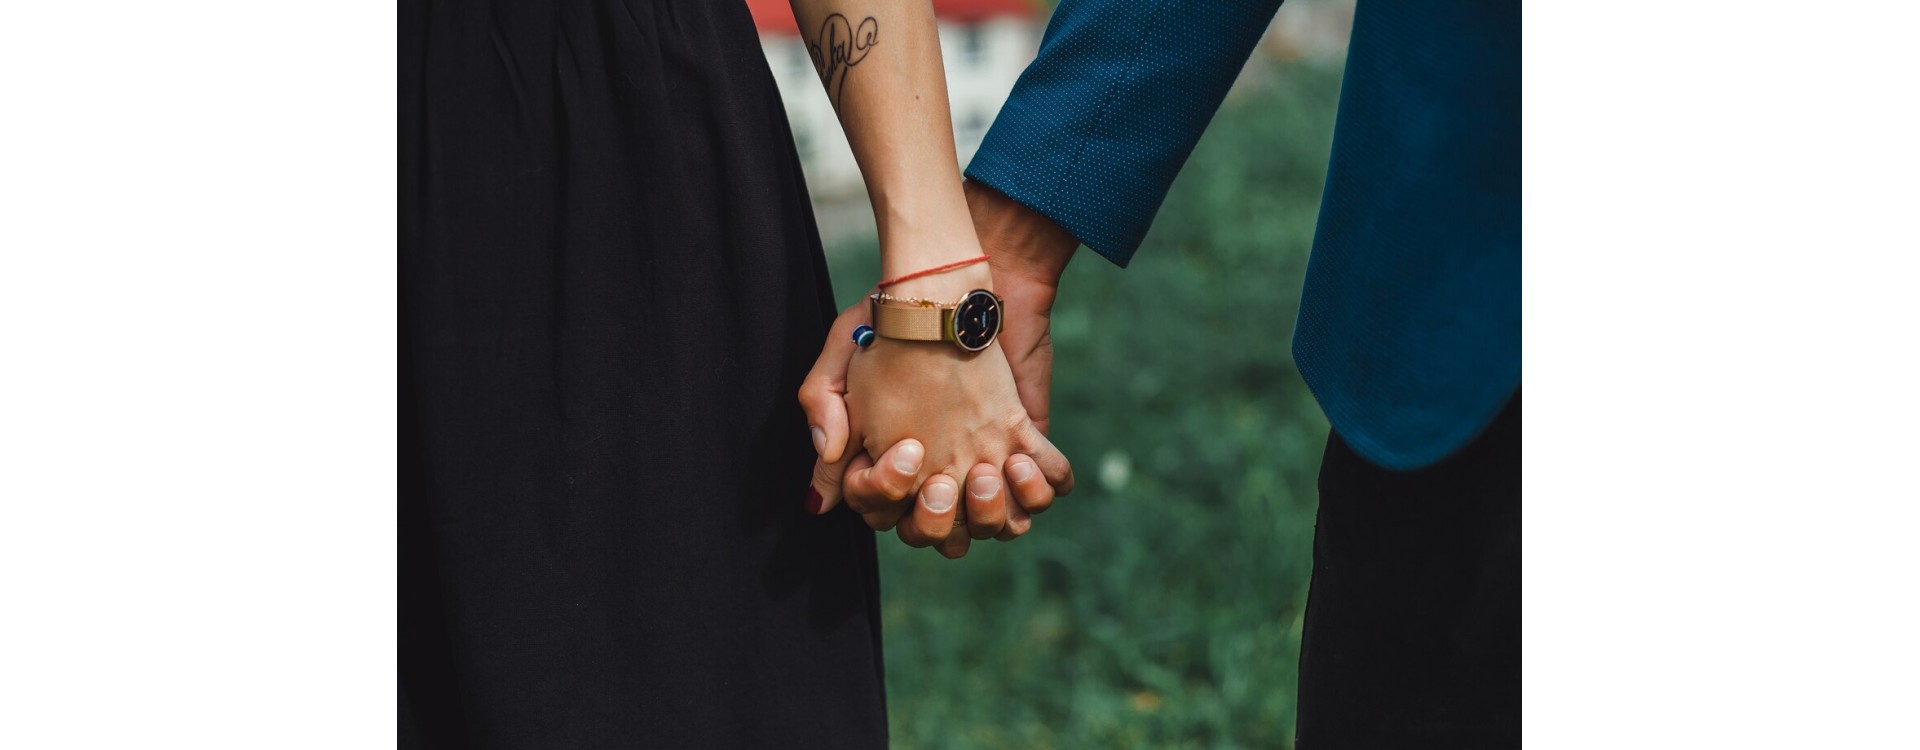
[611,286]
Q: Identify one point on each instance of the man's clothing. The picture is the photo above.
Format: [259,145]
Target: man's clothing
[1409,328]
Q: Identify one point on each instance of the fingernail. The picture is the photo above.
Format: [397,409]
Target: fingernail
[940,496]
[819,440]
[814,501]
[983,487]
[906,458]
[1021,471]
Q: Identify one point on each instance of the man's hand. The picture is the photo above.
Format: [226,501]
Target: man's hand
[882,491]
[1029,253]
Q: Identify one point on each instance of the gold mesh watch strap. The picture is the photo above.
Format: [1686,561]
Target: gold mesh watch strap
[908,321]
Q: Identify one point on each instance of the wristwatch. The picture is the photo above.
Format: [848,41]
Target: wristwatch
[971,323]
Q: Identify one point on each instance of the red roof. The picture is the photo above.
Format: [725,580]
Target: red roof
[776,16]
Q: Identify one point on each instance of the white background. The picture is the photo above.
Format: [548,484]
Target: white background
[197,366]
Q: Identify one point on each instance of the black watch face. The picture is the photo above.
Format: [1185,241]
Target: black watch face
[977,320]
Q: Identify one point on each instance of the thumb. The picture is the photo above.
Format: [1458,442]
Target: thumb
[829,481]
[823,393]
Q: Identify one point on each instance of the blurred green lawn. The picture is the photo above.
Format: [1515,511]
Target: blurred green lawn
[1160,604]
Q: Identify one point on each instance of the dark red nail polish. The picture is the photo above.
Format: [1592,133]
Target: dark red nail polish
[814,501]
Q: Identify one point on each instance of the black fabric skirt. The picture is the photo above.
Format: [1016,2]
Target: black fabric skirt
[610,288]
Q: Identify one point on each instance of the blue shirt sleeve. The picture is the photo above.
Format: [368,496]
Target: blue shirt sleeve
[1102,120]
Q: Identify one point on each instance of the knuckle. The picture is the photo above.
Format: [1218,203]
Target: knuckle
[1017,423]
[865,502]
[899,486]
[825,474]
[879,521]
[986,516]
[933,535]
[858,497]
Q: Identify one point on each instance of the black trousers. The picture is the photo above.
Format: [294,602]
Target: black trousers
[611,286]
[1412,633]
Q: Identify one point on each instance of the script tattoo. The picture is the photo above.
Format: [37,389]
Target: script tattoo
[841,46]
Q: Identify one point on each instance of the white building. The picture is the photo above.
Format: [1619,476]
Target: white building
[984,43]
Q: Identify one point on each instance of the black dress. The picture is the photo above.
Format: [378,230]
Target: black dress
[610,288]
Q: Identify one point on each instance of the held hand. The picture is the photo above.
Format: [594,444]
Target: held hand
[879,491]
[1026,336]
[964,408]
[993,507]
[1028,254]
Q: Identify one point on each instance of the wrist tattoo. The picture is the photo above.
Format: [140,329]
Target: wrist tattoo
[840,46]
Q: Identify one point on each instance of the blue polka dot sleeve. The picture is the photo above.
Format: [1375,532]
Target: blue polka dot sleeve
[1102,120]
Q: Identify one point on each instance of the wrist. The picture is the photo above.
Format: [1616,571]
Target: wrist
[1024,243]
[923,229]
[945,286]
[970,321]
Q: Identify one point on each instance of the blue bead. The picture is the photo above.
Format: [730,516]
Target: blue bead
[863,335]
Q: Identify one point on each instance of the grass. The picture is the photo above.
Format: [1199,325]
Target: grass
[1160,605]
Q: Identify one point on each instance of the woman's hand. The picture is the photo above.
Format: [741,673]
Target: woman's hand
[930,412]
[964,408]
[881,66]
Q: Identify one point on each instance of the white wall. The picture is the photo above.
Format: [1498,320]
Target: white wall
[982,62]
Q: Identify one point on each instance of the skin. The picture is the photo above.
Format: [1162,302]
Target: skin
[883,491]
[1029,254]
[930,411]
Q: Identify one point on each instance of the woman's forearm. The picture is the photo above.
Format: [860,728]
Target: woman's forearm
[880,63]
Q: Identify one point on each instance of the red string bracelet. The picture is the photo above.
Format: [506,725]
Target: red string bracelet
[930,271]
